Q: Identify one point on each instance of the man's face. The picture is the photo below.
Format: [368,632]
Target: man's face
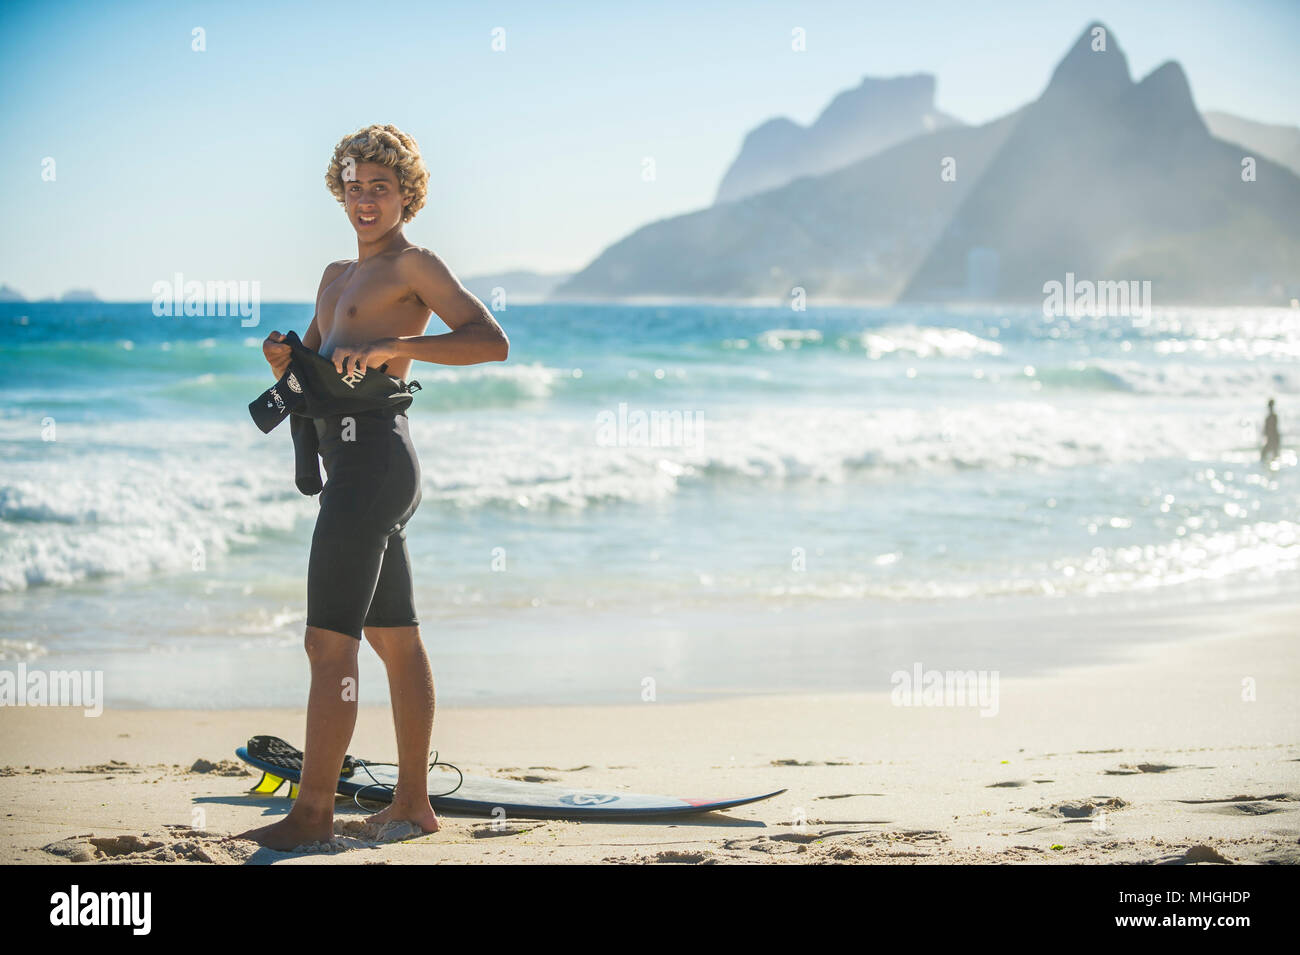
[373,199]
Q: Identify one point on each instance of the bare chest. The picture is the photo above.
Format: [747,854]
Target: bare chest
[367,302]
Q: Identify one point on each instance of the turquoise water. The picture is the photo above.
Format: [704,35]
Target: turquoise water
[884,460]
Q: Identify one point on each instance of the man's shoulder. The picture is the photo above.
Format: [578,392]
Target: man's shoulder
[417,253]
[333,271]
[417,260]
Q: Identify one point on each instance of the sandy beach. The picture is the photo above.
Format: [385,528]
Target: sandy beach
[1158,758]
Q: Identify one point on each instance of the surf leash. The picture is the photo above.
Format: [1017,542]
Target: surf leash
[365,765]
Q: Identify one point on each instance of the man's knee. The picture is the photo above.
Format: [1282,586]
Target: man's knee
[394,641]
[323,645]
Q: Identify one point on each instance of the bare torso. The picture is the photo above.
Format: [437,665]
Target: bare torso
[367,301]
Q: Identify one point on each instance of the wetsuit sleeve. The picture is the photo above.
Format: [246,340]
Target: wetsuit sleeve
[276,403]
[305,450]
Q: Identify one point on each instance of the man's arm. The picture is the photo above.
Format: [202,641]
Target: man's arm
[475,335]
[277,354]
[312,337]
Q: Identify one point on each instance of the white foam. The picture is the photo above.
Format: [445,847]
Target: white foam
[133,499]
[918,341]
[1253,380]
[531,380]
[552,462]
[777,339]
[925,341]
[20,650]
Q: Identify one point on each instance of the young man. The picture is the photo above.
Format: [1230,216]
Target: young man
[373,311]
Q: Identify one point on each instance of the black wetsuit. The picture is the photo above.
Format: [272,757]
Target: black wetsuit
[359,573]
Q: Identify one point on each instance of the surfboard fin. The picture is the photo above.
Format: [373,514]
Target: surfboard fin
[268,784]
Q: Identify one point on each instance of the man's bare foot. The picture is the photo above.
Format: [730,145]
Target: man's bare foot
[294,830]
[424,817]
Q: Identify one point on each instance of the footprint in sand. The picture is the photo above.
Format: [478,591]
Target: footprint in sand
[1246,805]
[1080,808]
[1134,769]
[554,769]
[224,767]
[675,855]
[1196,854]
[112,766]
[397,830]
[489,831]
[182,844]
[1017,783]
[847,795]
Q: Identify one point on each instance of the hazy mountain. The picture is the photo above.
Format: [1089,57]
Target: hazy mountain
[519,286]
[857,124]
[1115,180]
[1278,143]
[856,233]
[1101,177]
[8,294]
[79,295]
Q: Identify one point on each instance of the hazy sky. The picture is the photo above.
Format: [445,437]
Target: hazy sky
[212,163]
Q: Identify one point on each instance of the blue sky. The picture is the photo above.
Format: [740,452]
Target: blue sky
[211,164]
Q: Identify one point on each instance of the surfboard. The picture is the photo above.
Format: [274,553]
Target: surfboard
[280,762]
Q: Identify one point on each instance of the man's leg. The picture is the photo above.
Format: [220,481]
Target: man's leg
[331,718]
[410,684]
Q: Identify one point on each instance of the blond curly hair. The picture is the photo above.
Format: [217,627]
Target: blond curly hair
[388,146]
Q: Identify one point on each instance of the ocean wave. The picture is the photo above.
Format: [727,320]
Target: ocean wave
[1173,378]
[922,341]
[904,340]
[122,499]
[560,463]
[489,385]
[127,498]
[21,651]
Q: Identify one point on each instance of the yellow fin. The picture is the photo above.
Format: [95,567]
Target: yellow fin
[267,784]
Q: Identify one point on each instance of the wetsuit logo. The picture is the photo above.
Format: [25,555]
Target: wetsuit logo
[352,378]
[294,386]
[279,402]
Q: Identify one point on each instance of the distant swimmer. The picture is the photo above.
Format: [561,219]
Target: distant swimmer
[1272,441]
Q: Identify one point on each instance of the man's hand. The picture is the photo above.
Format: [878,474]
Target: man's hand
[366,355]
[277,354]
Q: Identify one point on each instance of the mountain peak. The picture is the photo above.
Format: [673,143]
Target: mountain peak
[1095,68]
[1163,104]
[914,92]
[878,113]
